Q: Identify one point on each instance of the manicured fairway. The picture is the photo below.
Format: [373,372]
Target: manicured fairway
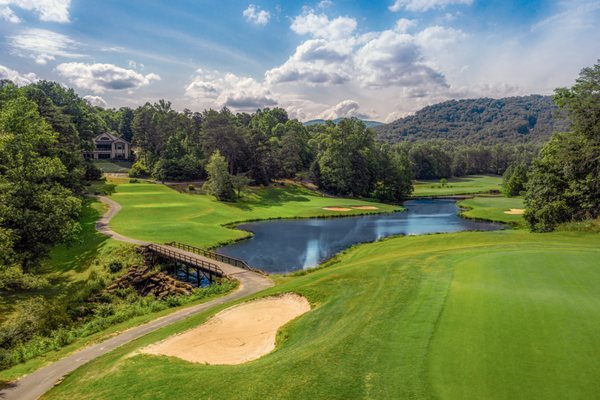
[456,186]
[493,209]
[481,315]
[157,213]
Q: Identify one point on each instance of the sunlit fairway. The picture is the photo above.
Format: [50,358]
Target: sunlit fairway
[494,209]
[157,213]
[494,315]
[472,184]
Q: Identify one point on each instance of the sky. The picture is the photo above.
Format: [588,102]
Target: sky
[378,60]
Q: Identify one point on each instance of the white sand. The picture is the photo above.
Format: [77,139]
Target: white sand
[515,211]
[236,335]
[336,209]
[366,208]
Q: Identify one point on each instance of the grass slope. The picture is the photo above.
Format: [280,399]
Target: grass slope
[113,166]
[157,213]
[497,315]
[472,184]
[493,208]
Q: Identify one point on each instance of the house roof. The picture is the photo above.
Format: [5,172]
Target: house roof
[110,136]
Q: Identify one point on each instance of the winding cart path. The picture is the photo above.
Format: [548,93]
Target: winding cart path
[34,385]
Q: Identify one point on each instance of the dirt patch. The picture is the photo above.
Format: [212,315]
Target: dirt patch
[236,335]
[366,208]
[337,209]
[515,211]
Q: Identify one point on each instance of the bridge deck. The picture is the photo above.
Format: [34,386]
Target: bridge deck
[229,271]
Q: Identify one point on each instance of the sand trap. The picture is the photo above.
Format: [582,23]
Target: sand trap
[366,208]
[236,335]
[336,209]
[515,211]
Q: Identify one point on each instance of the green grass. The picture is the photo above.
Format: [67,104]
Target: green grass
[114,166]
[493,209]
[475,315]
[157,213]
[68,266]
[458,186]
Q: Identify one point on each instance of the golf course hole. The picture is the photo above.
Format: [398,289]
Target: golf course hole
[337,208]
[236,335]
[515,211]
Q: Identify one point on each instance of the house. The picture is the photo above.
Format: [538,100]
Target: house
[109,147]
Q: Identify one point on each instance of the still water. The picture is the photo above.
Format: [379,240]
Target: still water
[280,246]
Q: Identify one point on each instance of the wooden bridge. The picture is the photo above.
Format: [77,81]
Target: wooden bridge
[196,263]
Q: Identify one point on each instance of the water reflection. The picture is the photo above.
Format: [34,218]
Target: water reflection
[288,245]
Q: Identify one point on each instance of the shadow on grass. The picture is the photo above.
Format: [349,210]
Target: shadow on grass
[271,197]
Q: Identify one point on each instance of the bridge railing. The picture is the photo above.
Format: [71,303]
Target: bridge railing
[236,262]
[194,262]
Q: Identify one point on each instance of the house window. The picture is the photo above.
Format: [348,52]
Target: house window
[103,147]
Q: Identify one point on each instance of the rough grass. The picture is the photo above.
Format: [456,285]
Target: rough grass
[113,166]
[495,315]
[154,212]
[458,186]
[493,208]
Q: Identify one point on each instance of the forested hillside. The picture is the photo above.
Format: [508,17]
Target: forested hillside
[527,119]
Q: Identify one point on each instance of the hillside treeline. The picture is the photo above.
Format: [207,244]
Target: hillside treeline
[511,120]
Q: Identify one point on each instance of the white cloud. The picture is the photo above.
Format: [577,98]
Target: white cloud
[47,10]
[320,26]
[16,77]
[315,61]
[211,88]
[8,15]
[43,45]
[96,101]
[324,4]
[101,77]
[256,16]
[424,5]
[344,109]
[403,25]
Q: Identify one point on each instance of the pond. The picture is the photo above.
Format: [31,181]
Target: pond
[280,246]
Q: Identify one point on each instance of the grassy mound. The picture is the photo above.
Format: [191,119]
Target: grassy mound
[504,314]
[458,186]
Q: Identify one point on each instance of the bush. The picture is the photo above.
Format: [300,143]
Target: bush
[134,180]
[92,172]
[138,170]
[191,187]
[115,266]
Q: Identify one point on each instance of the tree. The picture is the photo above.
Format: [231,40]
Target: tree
[514,180]
[36,210]
[219,181]
[563,183]
[239,182]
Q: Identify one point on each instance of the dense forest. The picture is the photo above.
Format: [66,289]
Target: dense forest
[511,120]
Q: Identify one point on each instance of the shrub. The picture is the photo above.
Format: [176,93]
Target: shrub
[138,170]
[92,172]
[115,266]
[191,187]
[134,180]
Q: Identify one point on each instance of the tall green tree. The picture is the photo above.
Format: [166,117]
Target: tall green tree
[36,210]
[219,182]
[564,183]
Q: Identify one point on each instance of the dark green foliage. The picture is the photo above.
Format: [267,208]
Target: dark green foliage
[92,172]
[514,180]
[564,182]
[508,120]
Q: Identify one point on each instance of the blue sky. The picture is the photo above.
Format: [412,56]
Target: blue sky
[372,59]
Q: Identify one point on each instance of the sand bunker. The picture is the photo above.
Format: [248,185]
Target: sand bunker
[515,211]
[236,335]
[366,208]
[336,209]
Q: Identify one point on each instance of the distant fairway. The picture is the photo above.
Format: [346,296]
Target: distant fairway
[154,212]
[493,209]
[481,315]
[471,184]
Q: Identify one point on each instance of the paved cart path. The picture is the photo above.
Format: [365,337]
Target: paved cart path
[39,382]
